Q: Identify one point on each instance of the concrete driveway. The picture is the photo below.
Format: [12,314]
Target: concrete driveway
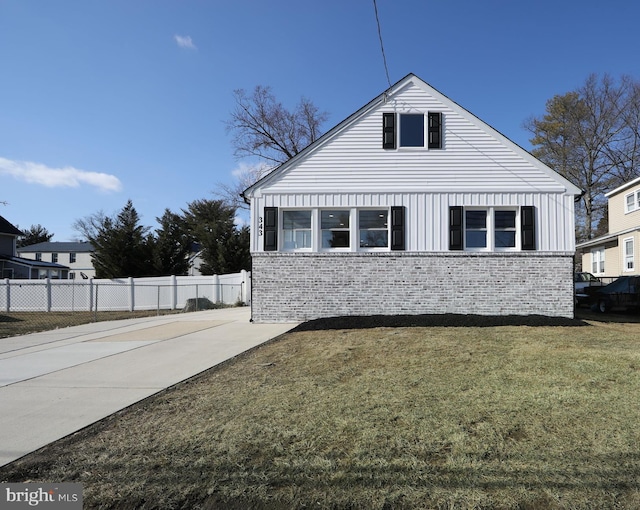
[56,382]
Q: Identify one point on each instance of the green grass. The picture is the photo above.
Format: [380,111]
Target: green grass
[505,417]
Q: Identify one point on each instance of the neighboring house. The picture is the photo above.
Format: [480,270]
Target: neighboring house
[195,259]
[75,255]
[616,253]
[412,205]
[15,267]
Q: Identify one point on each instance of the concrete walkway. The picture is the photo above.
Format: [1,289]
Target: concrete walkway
[56,382]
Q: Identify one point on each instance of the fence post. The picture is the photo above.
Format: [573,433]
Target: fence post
[132,304]
[243,287]
[91,294]
[47,283]
[216,289]
[8,299]
[174,292]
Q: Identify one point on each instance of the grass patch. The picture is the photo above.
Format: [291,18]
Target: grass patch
[506,417]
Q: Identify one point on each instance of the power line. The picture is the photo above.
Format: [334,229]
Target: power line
[384,58]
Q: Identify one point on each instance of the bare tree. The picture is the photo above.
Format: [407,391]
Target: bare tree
[591,137]
[244,176]
[265,130]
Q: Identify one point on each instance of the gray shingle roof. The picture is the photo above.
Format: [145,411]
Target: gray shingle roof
[57,247]
[8,228]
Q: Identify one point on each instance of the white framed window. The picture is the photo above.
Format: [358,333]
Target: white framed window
[72,258]
[628,264]
[412,130]
[632,202]
[296,230]
[335,228]
[352,229]
[491,228]
[597,261]
[54,258]
[420,130]
[373,228]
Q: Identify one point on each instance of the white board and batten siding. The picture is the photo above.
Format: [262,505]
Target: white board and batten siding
[476,166]
[427,228]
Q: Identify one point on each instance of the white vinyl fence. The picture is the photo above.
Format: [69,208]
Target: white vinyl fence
[129,294]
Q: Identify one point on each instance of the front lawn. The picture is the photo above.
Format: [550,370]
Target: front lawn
[405,417]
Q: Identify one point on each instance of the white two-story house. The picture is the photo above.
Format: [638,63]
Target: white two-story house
[412,205]
[76,255]
[616,253]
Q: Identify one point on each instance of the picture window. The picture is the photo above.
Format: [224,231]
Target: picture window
[296,227]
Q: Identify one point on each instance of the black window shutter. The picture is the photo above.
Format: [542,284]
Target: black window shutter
[397,228]
[270,229]
[455,228]
[528,227]
[388,130]
[435,130]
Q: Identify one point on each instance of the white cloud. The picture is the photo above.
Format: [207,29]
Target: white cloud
[251,171]
[185,41]
[67,177]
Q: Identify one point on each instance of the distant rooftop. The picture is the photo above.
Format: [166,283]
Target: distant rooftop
[58,247]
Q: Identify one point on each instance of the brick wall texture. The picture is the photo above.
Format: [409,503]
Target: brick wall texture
[296,287]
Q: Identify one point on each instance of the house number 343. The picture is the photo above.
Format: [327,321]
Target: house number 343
[260,226]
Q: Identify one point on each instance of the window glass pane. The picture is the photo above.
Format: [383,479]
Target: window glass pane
[373,219]
[334,219]
[335,229]
[374,239]
[303,238]
[335,238]
[296,219]
[505,219]
[296,227]
[373,228]
[505,239]
[412,130]
[476,219]
[476,239]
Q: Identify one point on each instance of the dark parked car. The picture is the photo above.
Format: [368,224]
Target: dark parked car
[585,284]
[624,293]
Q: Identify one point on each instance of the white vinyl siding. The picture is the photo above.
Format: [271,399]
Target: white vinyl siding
[426,223]
[354,161]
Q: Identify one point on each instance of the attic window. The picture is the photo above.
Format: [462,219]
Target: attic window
[411,130]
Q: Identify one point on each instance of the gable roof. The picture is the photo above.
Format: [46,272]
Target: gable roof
[387,97]
[58,247]
[8,228]
[32,263]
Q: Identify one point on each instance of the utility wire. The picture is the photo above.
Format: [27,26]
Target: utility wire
[384,58]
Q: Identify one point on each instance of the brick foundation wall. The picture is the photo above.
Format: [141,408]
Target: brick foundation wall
[295,287]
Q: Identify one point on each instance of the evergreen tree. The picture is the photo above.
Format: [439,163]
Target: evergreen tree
[33,235]
[211,223]
[121,245]
[171,245]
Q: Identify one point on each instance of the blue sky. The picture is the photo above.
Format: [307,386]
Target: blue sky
[105,101]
